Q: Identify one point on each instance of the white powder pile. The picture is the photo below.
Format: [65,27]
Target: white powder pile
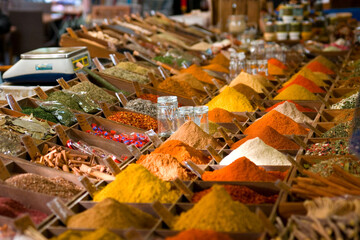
[257,152]
[289,109]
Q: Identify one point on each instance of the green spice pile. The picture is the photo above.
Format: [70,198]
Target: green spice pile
[127,75]
[346,103]
[170,60]
[325,167]
[64,99]
[10,142]
[28,125]
[59,111]
[340,130]
[93,92]
[338,147]
[142,106]
[40,113]
[112,214]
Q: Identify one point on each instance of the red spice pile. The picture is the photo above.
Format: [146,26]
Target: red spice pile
[182,152]
[306,83]
[135,119]
[277,63]
[271,137]
[242,194]
[195,234]
[149,96]
[298,106]
[316,66]
[281,123]
[243,169]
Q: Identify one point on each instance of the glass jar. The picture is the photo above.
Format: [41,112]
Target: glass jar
[201,117]
[185,114]
[167,115]
[237,24]
[233,65]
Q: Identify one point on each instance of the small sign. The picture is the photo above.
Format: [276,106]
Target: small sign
[44,67]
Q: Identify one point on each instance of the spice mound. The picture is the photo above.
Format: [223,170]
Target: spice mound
[221,59]
[111,214]
[180,88]
[258,152]
[337,147]
[137,184]
[135,119]
[340,130]
[101,233]
[242,194]
[289,109]
[295,92]
[243,169]
[93,92]
[198,73]
[346,103]
[278,121]
[298,106]
[195,234]
[325,167]
[207,214]
[270,137]
[182,152]
[306,83]
[230,100]
[40,113]
[56,186]
[316,66]
[219,115]
[246,91]
[142,106]
[127,75]
[191,134]
[13,209]
[165,167]
[256,82]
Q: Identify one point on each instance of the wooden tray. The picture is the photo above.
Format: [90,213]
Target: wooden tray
[330,114]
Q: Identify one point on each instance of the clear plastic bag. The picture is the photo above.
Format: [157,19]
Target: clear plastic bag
[87,104]
[62,113]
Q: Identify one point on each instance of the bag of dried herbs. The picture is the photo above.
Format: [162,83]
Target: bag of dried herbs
[94,92]
[64,99]
[59,111]
[40,113]
[87,105]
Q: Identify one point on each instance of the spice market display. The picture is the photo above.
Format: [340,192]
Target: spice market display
[187,132]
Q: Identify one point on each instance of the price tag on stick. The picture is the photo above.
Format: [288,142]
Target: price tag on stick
[114,168]
[13,103]
[214,154]
[88,185]
[34,234]
[104,107]
[166,216]
[138,90]
[154,138]
[82,77]
[238,125]
[228,140]
[315,130]
[41,94]
[84,124]
[194,168]
[196,101]
[23,222]
[58,207]
[184,189]
[61,134]
[4,173]
[63,83]
[122,99]
[30,146]
[208,92]
[134,151]
[299,142]
[114,59]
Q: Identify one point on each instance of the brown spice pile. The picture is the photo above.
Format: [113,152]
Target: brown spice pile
[193,135]
[179,88]
[182,152]
[165,167]
[247,91]
[219,115]
[56,186]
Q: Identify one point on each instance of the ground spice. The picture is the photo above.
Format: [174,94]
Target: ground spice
[231,100]
[340,130]
[316,66]
[127,75]
[274,70]
[323,76]
[257,152]
[247,91]
[326,62]
[307,73]
[241,194]
[277,63]
[271,137]
[195,234]
[165,167]
[281,123]
[213,129]
[256,82]
[243,169]
[10,142]
[150,97]
[219,115]
[182,152]
[289,109]
[142,106]
[216,67]
[101,233]
[93,92]
[40,113]
[200,74]
[337,147]
[221,59]
[325,167]
[180,88]
[304,82]
[137,184]
[344,116]
[217,211]
[111,214]
[346,103]
[13,209]
[298,106]
[191,80]
[56,186]
[133,67]
[191,134]
[135,119]
[295,92]
[64,99]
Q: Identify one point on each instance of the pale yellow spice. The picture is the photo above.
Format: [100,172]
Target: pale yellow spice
[295,92]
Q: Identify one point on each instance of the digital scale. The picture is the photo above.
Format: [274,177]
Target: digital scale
[45,65]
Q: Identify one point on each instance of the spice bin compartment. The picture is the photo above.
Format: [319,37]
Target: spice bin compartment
[307,104]
[323,127]
[343,92]
[337,115]
[311,141]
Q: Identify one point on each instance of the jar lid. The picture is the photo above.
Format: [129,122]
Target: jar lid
[167,99]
